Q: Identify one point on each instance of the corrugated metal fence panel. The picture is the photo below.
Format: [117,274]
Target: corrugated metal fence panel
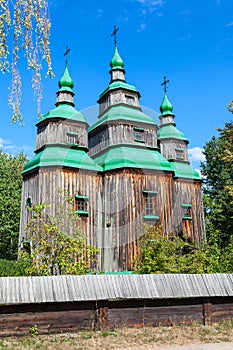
[23,290]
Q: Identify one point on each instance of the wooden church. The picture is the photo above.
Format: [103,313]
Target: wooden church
[123,172]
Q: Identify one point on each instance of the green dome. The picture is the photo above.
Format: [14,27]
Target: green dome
[128,156]
[166,106]
[116,62]
[119,112]
[170,132]
[64,111]
[185,171]
[62,156]
[66,82]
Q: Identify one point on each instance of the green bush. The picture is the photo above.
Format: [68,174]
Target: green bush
[172,254]
[13,268]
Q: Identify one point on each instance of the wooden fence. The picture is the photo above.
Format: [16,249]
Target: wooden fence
[70,303]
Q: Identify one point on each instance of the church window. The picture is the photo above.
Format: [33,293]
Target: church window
[187,211]
[73,138]
[139,134]
[41,129]
[81,205]
[129,99]
[179,153]
[150,205]
[29,202]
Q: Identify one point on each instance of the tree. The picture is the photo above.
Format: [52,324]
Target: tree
[57,243]
[13,267]
[159,254]
[10,201]
[226,134]
[28,23]
[172,254]
[217,172]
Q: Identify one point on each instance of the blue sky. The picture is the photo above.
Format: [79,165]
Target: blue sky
[189,41]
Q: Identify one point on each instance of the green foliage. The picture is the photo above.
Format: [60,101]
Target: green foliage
[13,268]
[168,255]
[33,331]
[174,254]
[58,246]
[226,257]
[226,135]
[24,32]
[10,200]
[218,197]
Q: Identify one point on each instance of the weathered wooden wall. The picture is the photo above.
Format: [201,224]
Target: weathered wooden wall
[121,133]
[71,303]
[124,208]
[168,149]
[59,131]
[188,192]
[116,207]
[124,205]
[45,185]
[30,189]
[16,320]
[118,97]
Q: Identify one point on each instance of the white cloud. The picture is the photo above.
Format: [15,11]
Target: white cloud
[151,5]
[196,154]
[185,37]
[56,3]
[7,147]
[123,19]
[141,27]
[100,12]
[185,13]
[3,142]
[230,24]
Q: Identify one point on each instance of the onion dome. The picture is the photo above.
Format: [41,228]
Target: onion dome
[166,106]
[65,102]
[65,94]
[66,83]
[117,62]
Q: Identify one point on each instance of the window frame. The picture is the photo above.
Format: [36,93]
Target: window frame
[81,205]
[73,138]
[150,205]
[187,211]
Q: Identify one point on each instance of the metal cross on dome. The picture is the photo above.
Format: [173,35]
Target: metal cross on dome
[114,33]
[66,54]
[165,81]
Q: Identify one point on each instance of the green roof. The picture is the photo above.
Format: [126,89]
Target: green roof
[64,111]
[66,83]
[132,157]
[170,131]
[186,171]
[62,156]
[117,85]
[116,62]
[119,112]
[166,106]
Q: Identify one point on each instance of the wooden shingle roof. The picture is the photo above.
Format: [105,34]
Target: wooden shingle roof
[24,290]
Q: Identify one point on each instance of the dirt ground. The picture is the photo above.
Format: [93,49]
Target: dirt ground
[211,346]
[218,336]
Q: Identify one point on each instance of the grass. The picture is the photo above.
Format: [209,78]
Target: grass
[124,338]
